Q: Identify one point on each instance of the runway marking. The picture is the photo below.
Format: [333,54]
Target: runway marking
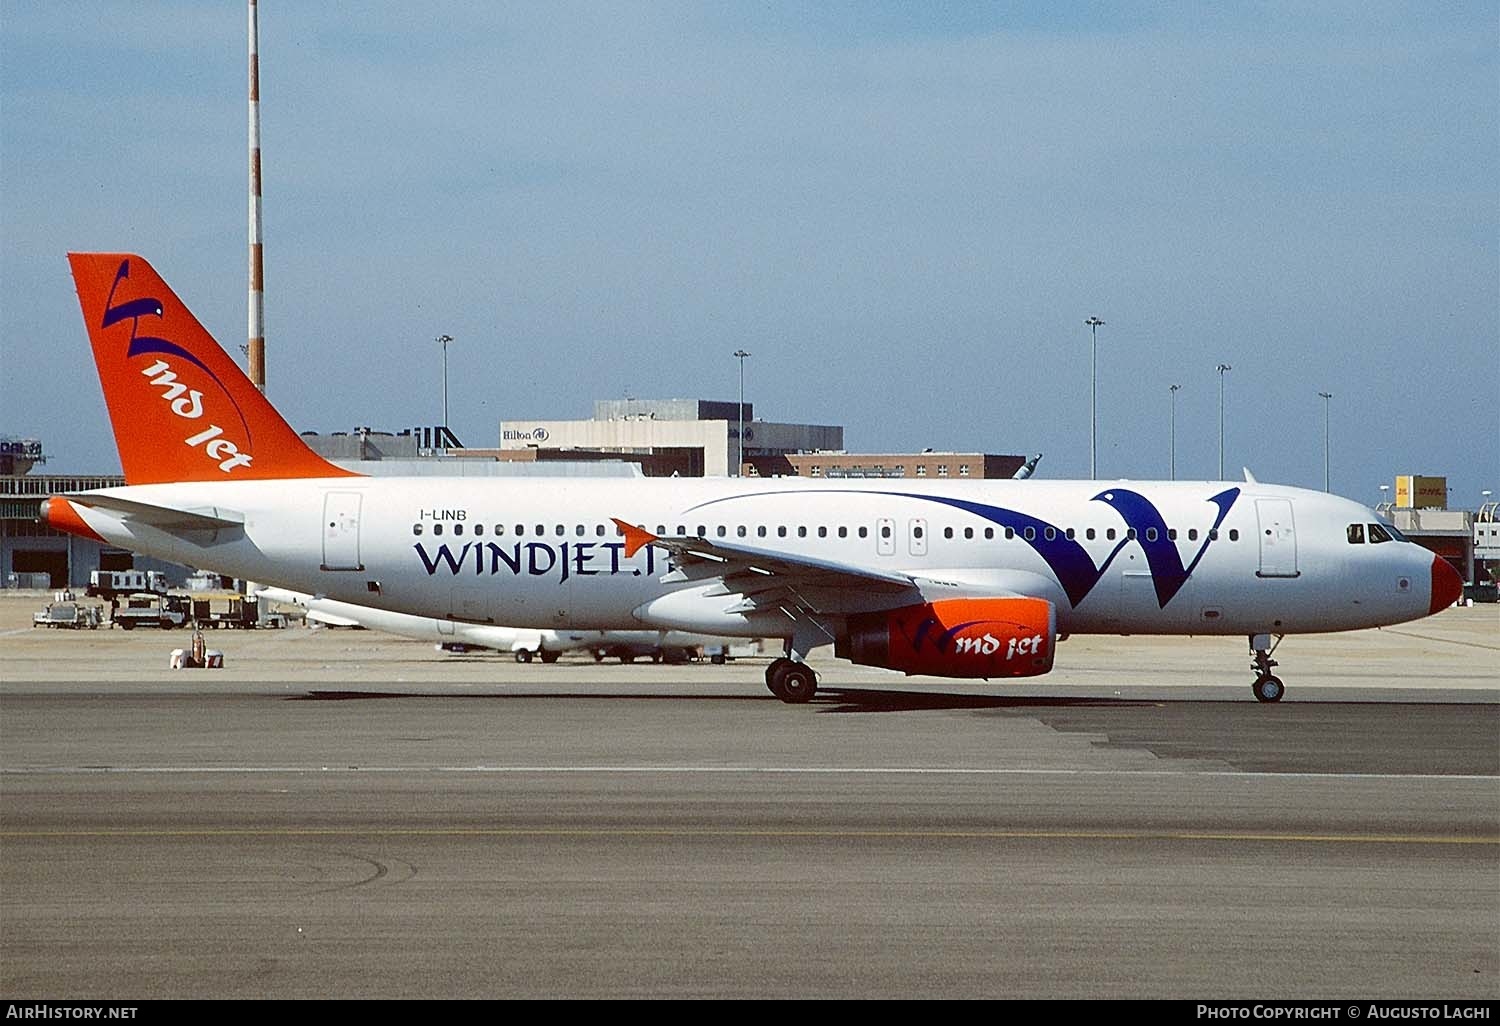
[647,832]
[749,770]
[1446,641]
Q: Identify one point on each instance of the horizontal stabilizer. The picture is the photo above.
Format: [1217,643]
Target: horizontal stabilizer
[165,518]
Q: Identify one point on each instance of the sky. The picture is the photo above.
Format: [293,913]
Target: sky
[904,212]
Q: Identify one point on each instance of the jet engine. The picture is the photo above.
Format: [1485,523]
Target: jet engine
[990,637]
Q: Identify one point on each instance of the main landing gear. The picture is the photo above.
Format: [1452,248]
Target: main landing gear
[791,681]
[1267,686]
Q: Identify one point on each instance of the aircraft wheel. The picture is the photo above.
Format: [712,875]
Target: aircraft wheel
[523,655]
[549,656]
[1268,688]
[773,676]
[792,682]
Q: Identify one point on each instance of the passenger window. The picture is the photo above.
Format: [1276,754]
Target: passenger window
[1192,534]
[722,531]
[1010,532]
[989,533]
[702,531]
[1171,534]
[599,530]
[520,528]
[1029,534]
[740,531]
[458,528]
[1109,533]
[1069,532]
[1378,534]
[437,528]
[416,528]
[541,530]
[1356,533]
[843,532]
[1090,534]
[1050,533]
[885,531]
[801,532]
[559,530]
[760,532]
[864,532]
[478,528]
[781,531]
[1130,534]
[499,529]
[822,532]
[1234,534]
[578,530]
[1151,534]
[947,532]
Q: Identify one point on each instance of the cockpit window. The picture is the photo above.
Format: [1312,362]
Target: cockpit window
[1356,534]
[1378,534]
[1394,533]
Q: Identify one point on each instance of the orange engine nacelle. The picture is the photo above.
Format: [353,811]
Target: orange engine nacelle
[992,637]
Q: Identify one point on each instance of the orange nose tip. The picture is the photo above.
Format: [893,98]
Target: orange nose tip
[1447,586]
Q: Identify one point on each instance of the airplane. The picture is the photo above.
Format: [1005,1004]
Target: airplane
[949,578]
[546,645]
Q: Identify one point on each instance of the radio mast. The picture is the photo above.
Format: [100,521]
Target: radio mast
[257,348]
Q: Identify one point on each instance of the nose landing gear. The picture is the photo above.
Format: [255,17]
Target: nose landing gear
[1267,686]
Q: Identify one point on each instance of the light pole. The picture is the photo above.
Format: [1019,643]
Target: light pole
[740,354]
[1383,490]
[443,341]
[1172,460]
[1094,324]
[1325,396]
[1223,367]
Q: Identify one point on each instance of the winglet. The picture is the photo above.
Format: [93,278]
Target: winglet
[182,410]
[636,538]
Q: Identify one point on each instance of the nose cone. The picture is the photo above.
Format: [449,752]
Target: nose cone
[1447,586]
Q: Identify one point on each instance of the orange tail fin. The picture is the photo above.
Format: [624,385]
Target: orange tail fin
[182,410]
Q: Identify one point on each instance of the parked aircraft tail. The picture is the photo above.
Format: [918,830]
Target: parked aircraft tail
[181,408]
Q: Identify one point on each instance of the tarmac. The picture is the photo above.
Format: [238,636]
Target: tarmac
[341,814]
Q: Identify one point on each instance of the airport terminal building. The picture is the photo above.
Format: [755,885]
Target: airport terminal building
[699,437]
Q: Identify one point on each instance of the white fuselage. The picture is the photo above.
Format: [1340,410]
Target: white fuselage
[1113,557]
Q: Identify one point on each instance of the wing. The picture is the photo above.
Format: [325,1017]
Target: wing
[767,578]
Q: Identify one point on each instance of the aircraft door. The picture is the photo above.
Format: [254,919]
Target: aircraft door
[341,531]
[917,536]
[1278,538]
[885,536]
